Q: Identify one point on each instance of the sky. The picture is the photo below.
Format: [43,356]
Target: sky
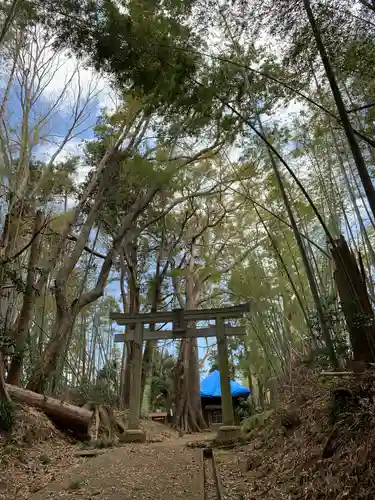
[58,73]
[60,119]
[64,83]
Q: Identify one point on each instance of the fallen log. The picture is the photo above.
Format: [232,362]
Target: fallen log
[336,374]
[64,415]
[346,374]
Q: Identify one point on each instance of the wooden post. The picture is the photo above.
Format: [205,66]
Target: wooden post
[226,395]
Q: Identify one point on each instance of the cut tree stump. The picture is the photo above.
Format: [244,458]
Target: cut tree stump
[63,415]
[355,301]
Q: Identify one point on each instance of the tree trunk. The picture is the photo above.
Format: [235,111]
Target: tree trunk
[260,394]
[189,415]
[355,149]
[148,355]
[306,263]
[353,199]
[249,375]
[9,82]
[64,415]
[6,247]
[272,387]
[8,21]
[47,365]
[15,371]
[125,307]
[122,377]
[134,306]
[125,399]
[66,312]
[160,274]
[84,342]
[355,302]
[151,344]
[4,393]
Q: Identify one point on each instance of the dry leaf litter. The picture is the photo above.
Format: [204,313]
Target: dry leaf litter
[37,454]
[33,455]
[318,444]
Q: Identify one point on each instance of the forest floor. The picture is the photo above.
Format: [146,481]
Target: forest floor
[39,462]
[318,444]
[139,471]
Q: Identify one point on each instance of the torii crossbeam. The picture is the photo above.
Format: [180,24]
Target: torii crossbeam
[180,319]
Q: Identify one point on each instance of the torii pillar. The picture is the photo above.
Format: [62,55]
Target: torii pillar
[228,431]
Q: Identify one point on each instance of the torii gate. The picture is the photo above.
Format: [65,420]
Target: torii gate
[180,318]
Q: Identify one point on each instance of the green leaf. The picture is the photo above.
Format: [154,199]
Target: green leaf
[176,273]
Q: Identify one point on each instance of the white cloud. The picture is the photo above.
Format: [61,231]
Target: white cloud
[60,73]
[287,115]
[60,79]
[73,148]
[45,151]
[69,70]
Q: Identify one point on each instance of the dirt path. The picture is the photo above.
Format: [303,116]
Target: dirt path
[162,471]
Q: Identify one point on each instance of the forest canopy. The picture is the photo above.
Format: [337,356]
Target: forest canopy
[183,154]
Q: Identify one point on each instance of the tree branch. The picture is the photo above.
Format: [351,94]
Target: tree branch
[137,207]
[20,252]
[86,248]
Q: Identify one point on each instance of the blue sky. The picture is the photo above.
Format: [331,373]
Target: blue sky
[59,123]
[58,83]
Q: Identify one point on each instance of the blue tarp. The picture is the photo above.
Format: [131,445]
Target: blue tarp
[210,387]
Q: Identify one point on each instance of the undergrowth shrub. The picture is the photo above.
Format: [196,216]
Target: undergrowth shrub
[98,393]
[245,408]
[319,357]
[257,421]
